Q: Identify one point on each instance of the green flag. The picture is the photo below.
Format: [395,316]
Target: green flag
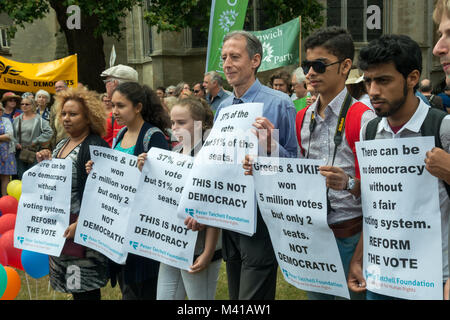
[226,16]
[280,45]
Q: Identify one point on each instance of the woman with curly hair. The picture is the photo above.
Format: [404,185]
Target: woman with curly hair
[83,118]
[146,124]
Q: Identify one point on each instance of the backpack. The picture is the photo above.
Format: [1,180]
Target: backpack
[145,140]
[430,127]
[352,127]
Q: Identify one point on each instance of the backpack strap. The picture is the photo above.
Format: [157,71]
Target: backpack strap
[353,128]
[148,136]
[432,124]
[431,127]
[119,136]
[341,125]
[371,128]
[298,126]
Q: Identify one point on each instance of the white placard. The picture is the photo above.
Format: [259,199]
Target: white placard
[44,207]
[109,192]
[402,219]
[154,230]
[217,193]
[292,199]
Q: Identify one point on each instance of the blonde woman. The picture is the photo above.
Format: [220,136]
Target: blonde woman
[30,133]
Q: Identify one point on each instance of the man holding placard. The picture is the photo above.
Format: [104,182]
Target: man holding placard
[438,161]
[251,262]
[330,54]
[402,235]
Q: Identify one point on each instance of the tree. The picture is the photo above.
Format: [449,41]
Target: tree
[106,17]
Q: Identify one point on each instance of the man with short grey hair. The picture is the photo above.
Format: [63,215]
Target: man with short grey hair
[213,84]
[170,91]
[60,85]
[299,88]
[250,260]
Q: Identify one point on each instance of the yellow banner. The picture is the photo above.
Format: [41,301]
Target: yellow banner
[31,77]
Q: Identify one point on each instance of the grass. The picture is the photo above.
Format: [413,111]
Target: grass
[39,289]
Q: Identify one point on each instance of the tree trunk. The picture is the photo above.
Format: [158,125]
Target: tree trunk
[89,49]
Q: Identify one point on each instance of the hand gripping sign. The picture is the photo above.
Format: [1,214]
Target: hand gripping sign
[44,207]
[291,196]
[217,193]
[109,192]
[154,230]
[402,219]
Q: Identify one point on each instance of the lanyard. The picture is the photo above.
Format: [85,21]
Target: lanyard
[339,127]
[337,135]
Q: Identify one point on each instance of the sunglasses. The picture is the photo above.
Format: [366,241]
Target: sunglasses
[317,65]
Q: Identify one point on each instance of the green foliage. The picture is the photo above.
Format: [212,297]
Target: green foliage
[167,15]
[39,289]
[285,10]
[173,15]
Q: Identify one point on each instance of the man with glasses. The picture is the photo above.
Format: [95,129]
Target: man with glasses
[199,91]
[170,91]
[115,76]
[329,58]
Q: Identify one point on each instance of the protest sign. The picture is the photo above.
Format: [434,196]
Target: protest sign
[292,199]
[217,193]
[154,230]
[44,207]
[402,219]
[23,77]
[107,198]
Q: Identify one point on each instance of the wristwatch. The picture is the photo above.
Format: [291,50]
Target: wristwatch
[350,183]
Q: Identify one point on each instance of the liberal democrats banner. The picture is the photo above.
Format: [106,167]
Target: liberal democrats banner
[30,77]
[280,45]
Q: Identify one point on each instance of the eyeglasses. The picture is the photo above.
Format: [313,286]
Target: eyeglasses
[25,104]
[197,91]
[317,65]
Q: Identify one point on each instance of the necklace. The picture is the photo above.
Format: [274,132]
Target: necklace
[74,142]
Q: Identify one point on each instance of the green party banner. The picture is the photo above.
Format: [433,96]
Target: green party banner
[226,16]
[281,45]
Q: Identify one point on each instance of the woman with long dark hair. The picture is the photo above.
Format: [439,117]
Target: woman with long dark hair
[139,109]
